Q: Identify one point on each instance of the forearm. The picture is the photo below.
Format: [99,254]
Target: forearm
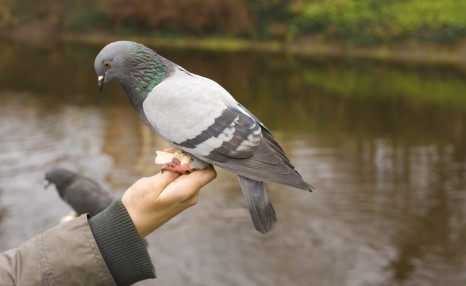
[104,250]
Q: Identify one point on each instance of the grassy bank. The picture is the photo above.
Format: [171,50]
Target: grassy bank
[406,52]
[403,52]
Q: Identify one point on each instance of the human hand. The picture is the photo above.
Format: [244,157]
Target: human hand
[152,201]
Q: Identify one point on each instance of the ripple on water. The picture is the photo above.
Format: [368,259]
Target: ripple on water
[32,141]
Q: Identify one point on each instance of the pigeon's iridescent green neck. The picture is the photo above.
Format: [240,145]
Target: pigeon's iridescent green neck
[148,69]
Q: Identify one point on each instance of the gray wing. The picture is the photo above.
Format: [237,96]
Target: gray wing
[247,148]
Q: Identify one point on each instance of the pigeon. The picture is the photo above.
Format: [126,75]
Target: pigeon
[198,116]
[83,194]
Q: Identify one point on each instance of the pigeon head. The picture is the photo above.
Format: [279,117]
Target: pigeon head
[136,67]
[111,62]
[60,177]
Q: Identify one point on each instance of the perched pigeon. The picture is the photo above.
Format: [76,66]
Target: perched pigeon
[198,116]
[81,193]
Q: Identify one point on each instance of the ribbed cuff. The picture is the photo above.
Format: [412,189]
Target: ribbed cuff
[123,250]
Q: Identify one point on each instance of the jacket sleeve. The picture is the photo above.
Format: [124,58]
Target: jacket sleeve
[71,254]
[64,255]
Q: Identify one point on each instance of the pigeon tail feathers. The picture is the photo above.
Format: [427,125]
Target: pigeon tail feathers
[260,208]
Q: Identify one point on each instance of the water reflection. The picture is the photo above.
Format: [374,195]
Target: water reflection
[386,153]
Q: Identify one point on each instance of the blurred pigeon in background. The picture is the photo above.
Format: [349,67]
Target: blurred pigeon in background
[198,116]
[83,194]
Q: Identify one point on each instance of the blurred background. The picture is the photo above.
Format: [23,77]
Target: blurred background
[368,98]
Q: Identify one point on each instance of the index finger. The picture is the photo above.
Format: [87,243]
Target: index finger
[199,178]
[188,185]
[158,182]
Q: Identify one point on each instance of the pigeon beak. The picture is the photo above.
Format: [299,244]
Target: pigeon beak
[47,184]
[101,81]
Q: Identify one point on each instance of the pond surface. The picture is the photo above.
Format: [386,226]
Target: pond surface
[384,145]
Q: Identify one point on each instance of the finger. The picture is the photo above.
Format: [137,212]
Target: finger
[193,182]
[170,149]
[160,181]
[186,188]
[205,176]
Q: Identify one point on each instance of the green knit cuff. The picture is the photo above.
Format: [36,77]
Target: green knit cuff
[123,250]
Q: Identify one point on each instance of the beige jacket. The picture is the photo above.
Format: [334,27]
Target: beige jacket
[64,255]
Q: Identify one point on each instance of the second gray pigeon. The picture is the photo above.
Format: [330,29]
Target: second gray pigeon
[198,116]
[83,194]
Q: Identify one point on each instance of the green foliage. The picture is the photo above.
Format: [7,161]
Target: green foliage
[272,17]
[350,21]
[85,21]
[384,20]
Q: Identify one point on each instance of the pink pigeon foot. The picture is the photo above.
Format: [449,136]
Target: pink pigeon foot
[176,167]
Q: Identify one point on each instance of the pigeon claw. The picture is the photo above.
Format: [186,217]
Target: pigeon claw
[175,167]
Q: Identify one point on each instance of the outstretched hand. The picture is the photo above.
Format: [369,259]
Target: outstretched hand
[152,201]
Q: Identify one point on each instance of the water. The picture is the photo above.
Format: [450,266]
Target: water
[384,145]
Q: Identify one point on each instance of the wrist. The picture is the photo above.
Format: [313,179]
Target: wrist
[121,247]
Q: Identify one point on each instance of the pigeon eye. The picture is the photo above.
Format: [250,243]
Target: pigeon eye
[107,64]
